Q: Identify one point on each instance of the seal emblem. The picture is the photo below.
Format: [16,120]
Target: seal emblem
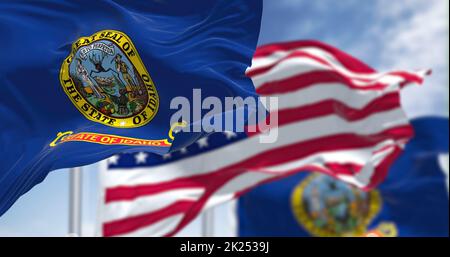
[327,207]
[105,79]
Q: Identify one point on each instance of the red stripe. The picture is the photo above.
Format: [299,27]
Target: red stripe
[279,177]
[286,116]
[348,169]
[193,212]
[128,193]
[214,180]
[271,157]
[257,71]
[131,224]
[334,167]
[312,78]
[210,185]
[345,59]
[387,102]
[383,168]
[292,152]
[409,77]
[329,143]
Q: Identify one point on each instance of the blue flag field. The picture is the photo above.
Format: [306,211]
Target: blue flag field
[83,80]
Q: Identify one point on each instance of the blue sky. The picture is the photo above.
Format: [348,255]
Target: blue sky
[401,34]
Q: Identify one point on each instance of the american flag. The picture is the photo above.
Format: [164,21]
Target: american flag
[336,115]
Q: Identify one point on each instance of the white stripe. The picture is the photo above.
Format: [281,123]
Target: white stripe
[301,65]
[333,63]
[228,190]
[245,181]
[363,156]
[330,91]
[241,150]
[358,156]
[147,204]
[264,61]
[250,179]
[288,134]
[159,228]
[363,178]
[261,62]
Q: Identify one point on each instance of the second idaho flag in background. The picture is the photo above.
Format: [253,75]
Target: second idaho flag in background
[412,201]
[80,81]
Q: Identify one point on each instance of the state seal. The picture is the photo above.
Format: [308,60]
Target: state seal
[106,80]
[325,206]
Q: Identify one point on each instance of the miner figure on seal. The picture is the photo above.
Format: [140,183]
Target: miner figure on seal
[123,68]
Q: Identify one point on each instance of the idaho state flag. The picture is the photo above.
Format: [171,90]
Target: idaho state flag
[83,80]
[412,201]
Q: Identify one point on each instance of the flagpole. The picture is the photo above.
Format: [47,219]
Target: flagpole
[208,223]
[75,197]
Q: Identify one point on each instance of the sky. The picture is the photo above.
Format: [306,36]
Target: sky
[401,34]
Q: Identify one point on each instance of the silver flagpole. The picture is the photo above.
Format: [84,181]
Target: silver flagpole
[75,195]
[208,223]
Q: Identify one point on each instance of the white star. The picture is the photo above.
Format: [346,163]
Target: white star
[229,134]
[141,157]
[202,142]
[113,159]
[167,156]
[183,150]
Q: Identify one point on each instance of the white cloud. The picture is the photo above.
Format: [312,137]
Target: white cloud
[389,35]
[413,34]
